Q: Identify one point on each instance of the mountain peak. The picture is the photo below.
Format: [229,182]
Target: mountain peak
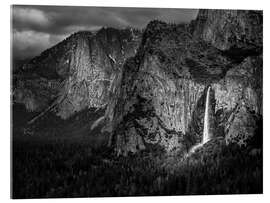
[226,29]
[81,69]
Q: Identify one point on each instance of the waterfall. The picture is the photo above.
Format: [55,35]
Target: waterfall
[206,135]
[207,126]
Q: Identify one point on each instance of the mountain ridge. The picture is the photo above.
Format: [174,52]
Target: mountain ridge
[153,93]
[68,63]
[161,105]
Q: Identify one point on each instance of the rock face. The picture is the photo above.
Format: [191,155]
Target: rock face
[239,97]
[163,88]
[230,29]
[77,73]
[155,96]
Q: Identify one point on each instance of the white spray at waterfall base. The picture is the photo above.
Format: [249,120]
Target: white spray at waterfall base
[97,122]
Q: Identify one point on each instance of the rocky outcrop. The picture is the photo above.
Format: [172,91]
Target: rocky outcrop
[163,88]
[230,29]
[159,93]
[239,100]
[77,73]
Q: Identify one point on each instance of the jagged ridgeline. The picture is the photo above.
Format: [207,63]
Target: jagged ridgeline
[77,73]
[153,86]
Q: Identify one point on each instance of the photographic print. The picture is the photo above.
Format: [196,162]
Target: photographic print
[122,101]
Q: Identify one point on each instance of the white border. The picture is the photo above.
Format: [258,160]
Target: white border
[5,91]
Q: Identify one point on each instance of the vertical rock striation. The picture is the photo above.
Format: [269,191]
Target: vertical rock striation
[230,29]
[163,88]
[77,73]
[155,96]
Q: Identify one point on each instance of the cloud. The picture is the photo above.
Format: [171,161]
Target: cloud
[29,19]
[27,44]
[36,28]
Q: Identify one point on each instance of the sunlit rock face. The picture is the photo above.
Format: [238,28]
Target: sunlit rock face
[77,73]
[238,95]
[162,94]
[155,95]
[161,87]
[241,83]
[157,108]
[230,29]
[239,100]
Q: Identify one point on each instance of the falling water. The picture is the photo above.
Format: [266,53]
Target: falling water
[206,136]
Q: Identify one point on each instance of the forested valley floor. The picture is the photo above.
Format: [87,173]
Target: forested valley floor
[53,166]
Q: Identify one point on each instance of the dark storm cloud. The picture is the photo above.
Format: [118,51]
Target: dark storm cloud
[50,24]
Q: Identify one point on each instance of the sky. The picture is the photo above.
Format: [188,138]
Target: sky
[37,28]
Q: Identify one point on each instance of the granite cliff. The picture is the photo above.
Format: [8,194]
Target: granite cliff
[163,89]
[77,73]
[153,86]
